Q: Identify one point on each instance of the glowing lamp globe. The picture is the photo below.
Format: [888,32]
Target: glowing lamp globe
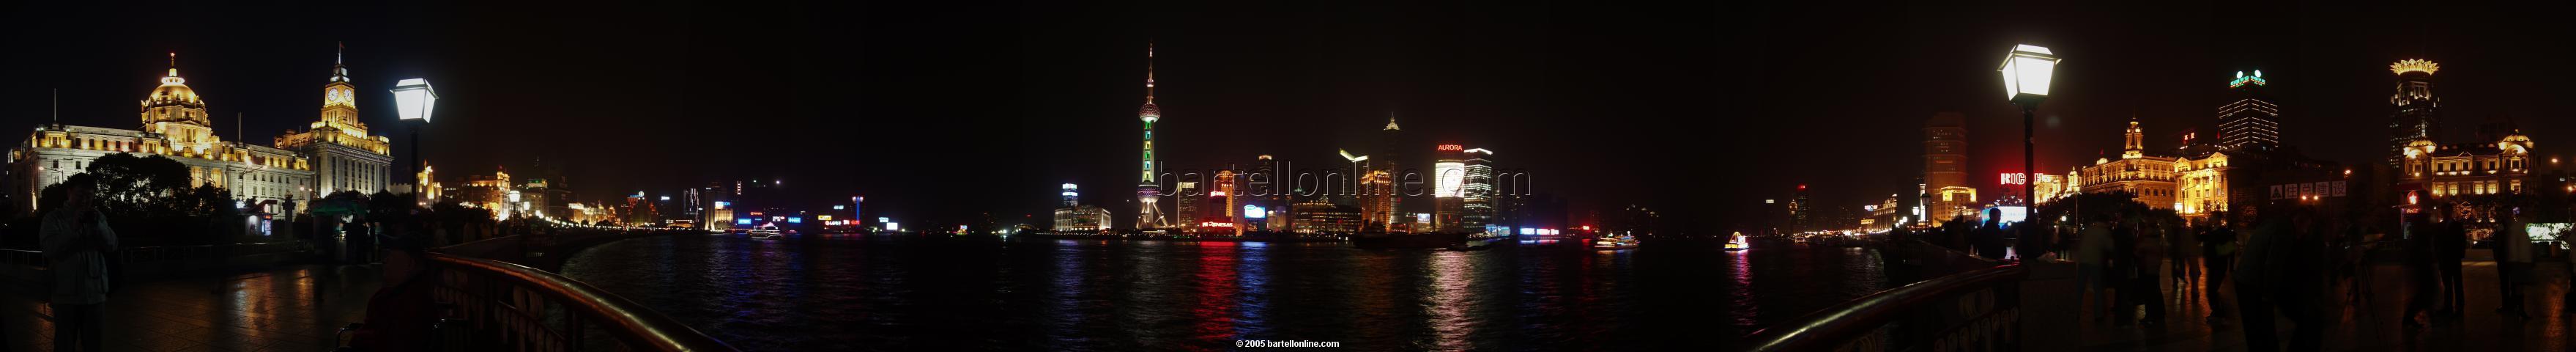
[414,100]
[2026,71]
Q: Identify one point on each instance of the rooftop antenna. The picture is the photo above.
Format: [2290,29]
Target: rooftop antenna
[58,106]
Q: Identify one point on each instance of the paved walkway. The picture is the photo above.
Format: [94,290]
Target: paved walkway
[2369,324]
[289,308]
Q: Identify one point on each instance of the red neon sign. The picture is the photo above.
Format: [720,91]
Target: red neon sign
[2015,178]
[1452,147]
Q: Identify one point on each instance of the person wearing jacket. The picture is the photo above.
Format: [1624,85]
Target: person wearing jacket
[76,240]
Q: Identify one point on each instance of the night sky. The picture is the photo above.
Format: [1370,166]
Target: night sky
[942,109]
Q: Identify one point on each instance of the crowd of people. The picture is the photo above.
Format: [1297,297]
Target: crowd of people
[2281,264]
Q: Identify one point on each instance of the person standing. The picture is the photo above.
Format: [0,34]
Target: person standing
[2423,283]
[76,240]
[2123,266]
[2512,256]
[2092,266]
[2185,249]
[2279,273]
[2218,251]
[2150,251]
[2455,248]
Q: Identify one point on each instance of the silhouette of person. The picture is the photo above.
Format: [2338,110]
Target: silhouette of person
[76,240]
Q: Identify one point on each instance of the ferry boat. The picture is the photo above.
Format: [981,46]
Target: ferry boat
[1737,243]
[1615,243]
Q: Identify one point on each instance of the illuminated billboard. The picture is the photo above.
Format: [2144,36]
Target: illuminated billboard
[1453,179]
[1255,212]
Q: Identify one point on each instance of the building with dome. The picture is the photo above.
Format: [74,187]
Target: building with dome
[2149,177]
[175,124]
[345,156]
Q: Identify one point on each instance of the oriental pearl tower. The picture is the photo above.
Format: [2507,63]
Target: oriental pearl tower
[1151,216]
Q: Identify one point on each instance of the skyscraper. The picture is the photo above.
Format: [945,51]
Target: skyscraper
[1945,167]
[1149,214]
[2417,108]
[1070,196]
[1450,168]
[2250,121]
[1389,158]
[1479,194]
[1187,198]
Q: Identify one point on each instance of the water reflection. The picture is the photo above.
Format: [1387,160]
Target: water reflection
[914,293]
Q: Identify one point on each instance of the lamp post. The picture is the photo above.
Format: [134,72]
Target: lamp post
[414,100]
[2027,70]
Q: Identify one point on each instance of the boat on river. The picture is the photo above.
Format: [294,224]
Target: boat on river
[1615,243]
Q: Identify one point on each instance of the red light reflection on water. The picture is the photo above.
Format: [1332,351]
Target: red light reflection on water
[1216,280]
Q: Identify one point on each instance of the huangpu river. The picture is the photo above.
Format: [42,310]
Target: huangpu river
[895,292]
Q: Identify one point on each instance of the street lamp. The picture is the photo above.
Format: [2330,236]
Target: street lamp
[2027,69]
[414,100]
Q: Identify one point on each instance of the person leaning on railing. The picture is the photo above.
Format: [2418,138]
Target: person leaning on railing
[404,315]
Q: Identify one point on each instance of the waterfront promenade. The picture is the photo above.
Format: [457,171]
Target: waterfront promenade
[281,308]
[2371,324]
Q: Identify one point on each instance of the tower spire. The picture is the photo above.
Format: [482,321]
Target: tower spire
[1149,72]
[1390,121]
[174,64]
[342,52]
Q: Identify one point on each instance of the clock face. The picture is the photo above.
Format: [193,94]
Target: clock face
[340,96]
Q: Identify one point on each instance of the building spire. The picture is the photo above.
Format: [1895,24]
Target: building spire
[1390,121]
[1149,72]
[174,64]
[337,55]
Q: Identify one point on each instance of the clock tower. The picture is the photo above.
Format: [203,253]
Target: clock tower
[340,100]
[345,156]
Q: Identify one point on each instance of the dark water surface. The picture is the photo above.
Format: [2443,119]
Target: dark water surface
[905,293]
[1771,285]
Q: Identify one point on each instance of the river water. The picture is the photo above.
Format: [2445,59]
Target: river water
[912,293]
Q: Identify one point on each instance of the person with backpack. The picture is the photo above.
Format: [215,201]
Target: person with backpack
[76,240]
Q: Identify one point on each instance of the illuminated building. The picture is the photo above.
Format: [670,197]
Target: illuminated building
[1450,170]
[1070,197]
[1377,201]
[2417,108]
[174,125]
[2202,182]
[1185,210]
[1801,215]
[2149,178]
[2499,164]
[2048,188]
[1478,198]
[537,199]
[1149,214]
[1080,218]
[345,157]
[1388,158]
[490,192]
[1224,194]
[429,193]
[2251,121]
[1945,169]
[1319,216]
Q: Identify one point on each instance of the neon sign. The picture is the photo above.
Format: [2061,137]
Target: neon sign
[1452,147]
[2015,178]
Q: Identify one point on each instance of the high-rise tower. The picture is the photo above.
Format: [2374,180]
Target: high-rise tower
[2251,121]
[1149,215]
[1450,170]
[1945,168]
[2416,106]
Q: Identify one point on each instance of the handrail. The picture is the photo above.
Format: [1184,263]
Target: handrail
[639,327]
[1845,323]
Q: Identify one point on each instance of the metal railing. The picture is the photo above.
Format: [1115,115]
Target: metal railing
[1975,310]
[514,307]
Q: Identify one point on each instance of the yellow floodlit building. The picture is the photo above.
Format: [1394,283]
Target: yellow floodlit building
[175,124]
[2150,178]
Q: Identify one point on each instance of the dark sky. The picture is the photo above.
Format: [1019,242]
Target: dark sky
[938,109]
